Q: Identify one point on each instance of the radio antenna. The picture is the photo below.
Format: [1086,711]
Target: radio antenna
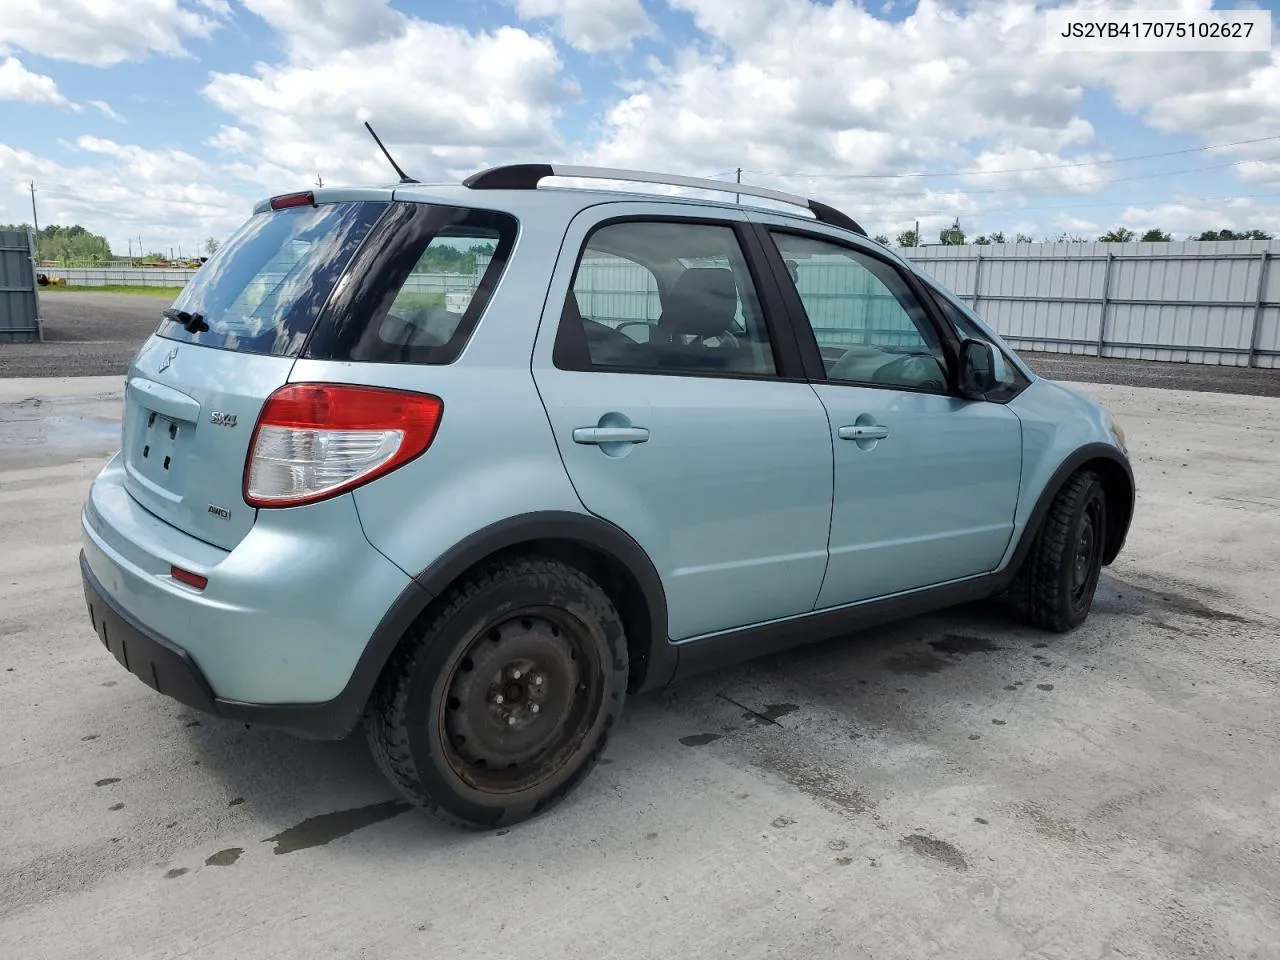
[404,177]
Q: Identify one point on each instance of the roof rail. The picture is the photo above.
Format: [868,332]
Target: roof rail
[526,176]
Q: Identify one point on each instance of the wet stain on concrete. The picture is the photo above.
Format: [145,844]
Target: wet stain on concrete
[817,783]
[327,827]
[116,806]
[1044,686]
[224,858]
[174,874]
[651,836]
[773,711]
[975,736]
[981,820]
[1039,646]
[963,644]
[109,683]
[105,781]
[844,861]
[916,663]
[1048,825]
[91,736]
[236,802]
[1115,596]
[999,723]
[935,849]
[9,628]
[781,822]
[700,739]
[838,845]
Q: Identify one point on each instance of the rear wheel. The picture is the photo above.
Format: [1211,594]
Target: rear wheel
[1055,588]
[496,709]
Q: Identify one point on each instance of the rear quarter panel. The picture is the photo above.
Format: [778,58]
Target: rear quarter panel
[494,456]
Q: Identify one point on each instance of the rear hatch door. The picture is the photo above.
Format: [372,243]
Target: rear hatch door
[195,389]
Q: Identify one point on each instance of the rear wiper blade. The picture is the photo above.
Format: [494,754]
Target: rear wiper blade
[191,322]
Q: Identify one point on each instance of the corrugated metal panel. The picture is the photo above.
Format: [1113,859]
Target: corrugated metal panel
[19,305]
[1191,302]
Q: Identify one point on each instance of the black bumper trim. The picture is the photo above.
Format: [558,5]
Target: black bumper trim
[170,670]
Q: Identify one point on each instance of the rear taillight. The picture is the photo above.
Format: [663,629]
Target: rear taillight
[316,440]
[287,200]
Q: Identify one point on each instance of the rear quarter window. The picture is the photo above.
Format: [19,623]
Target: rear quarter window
[417,288]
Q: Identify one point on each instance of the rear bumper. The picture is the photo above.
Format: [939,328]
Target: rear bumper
[168,669]
[292,630]
[156,662]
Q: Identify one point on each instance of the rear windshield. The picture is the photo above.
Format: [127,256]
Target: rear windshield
[418,277]
[264,288]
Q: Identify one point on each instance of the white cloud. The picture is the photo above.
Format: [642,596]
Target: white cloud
[106,32]
[107,110]
[313,28]
[441,98]
[19,83]
[787,88]
[124,190]
[592,25]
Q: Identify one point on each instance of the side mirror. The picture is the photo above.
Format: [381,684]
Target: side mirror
[982,369]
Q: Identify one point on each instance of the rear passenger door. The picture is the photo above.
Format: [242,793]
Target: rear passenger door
[682,415]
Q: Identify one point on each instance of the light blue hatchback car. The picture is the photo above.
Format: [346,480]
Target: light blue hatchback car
[475,462]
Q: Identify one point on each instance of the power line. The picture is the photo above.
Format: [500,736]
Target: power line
[1059,166]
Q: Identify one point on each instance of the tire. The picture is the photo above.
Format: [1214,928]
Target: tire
[501,703]
[1055,587]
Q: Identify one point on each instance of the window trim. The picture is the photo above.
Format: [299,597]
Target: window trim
[1000,394]
[808,340]
[569,347]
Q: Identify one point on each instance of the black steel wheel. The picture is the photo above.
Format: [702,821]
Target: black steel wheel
[495,710]
[1055,587]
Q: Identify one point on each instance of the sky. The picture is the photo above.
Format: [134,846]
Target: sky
[160,122]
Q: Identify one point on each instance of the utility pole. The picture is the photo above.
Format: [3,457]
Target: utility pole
[35,220]
[737,197]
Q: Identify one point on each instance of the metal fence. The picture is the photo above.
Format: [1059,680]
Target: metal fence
[1190,302]
[19,302]
[122,276]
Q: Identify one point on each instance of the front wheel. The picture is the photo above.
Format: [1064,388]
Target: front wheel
[500,706]
[1055,587]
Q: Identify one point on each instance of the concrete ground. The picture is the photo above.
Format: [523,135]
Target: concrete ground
[96,334]
[956,786]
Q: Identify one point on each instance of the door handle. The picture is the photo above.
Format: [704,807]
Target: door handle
[597,435]
[863,431]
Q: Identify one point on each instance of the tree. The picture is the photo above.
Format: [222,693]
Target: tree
[952,236]
[1156,235]
[1118,235]
[908,238]
[881,239]
[1024,238]
[1232,235]
[68,243]
[985,239]
[211,245]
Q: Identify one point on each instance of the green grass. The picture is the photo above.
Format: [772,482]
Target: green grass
[419,301]
[168,292]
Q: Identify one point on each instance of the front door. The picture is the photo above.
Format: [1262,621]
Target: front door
[926,482]
[661,372]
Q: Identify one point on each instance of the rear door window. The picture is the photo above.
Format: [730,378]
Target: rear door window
[263,290]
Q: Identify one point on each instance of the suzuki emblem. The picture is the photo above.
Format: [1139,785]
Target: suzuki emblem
[164,364]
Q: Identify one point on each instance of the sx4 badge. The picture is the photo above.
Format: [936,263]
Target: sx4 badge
[222,419]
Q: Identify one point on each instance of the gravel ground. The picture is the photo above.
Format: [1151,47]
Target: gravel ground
[954,786]
[96,334]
